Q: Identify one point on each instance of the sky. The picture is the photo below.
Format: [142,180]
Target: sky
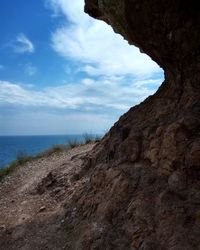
[62,72]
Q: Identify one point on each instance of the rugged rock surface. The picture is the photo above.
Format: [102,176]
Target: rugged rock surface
[144,187]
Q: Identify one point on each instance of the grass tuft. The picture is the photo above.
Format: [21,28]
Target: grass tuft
[21,159]
[74,143]
[88,138]
[97,138]
[53,150]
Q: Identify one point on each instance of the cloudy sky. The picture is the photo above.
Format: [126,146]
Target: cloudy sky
[62,72]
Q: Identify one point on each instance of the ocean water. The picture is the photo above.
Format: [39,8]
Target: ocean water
[12,146]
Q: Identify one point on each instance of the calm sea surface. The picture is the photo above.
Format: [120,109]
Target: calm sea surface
[12,146]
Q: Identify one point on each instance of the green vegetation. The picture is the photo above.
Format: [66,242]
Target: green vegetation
[53,150]
[91,138]
[97,138]
[23,158]
[87,138]
[74,143]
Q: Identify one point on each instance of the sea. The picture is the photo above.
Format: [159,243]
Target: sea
[13,146]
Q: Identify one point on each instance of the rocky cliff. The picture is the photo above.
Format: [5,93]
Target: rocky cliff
[139,188]
[143,190]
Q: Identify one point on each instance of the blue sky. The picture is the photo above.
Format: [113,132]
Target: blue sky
[62,72]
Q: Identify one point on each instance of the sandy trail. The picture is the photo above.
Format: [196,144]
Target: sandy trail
[32,200]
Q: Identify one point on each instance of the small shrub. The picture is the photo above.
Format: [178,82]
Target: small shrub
[73,143]
[98,138]
[91,138]
[21,159]
[54,149]
[4,171]
[58,148]
[88,138]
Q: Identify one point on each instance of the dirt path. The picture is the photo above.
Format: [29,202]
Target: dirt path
[32,201]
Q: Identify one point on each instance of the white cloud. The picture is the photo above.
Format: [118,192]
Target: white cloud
[30,69]
[107,94]
[88,82]
[23,45]
[95,45]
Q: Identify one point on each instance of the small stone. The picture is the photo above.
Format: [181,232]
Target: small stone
[42,209]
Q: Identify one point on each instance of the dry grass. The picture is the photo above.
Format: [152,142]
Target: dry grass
[20,160]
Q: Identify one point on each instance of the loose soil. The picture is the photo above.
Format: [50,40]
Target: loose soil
[33,197]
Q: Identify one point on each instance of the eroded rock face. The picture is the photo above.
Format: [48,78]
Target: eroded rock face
[144,186]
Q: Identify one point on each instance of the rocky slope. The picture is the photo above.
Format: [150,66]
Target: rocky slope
[144,187]
[32,200]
